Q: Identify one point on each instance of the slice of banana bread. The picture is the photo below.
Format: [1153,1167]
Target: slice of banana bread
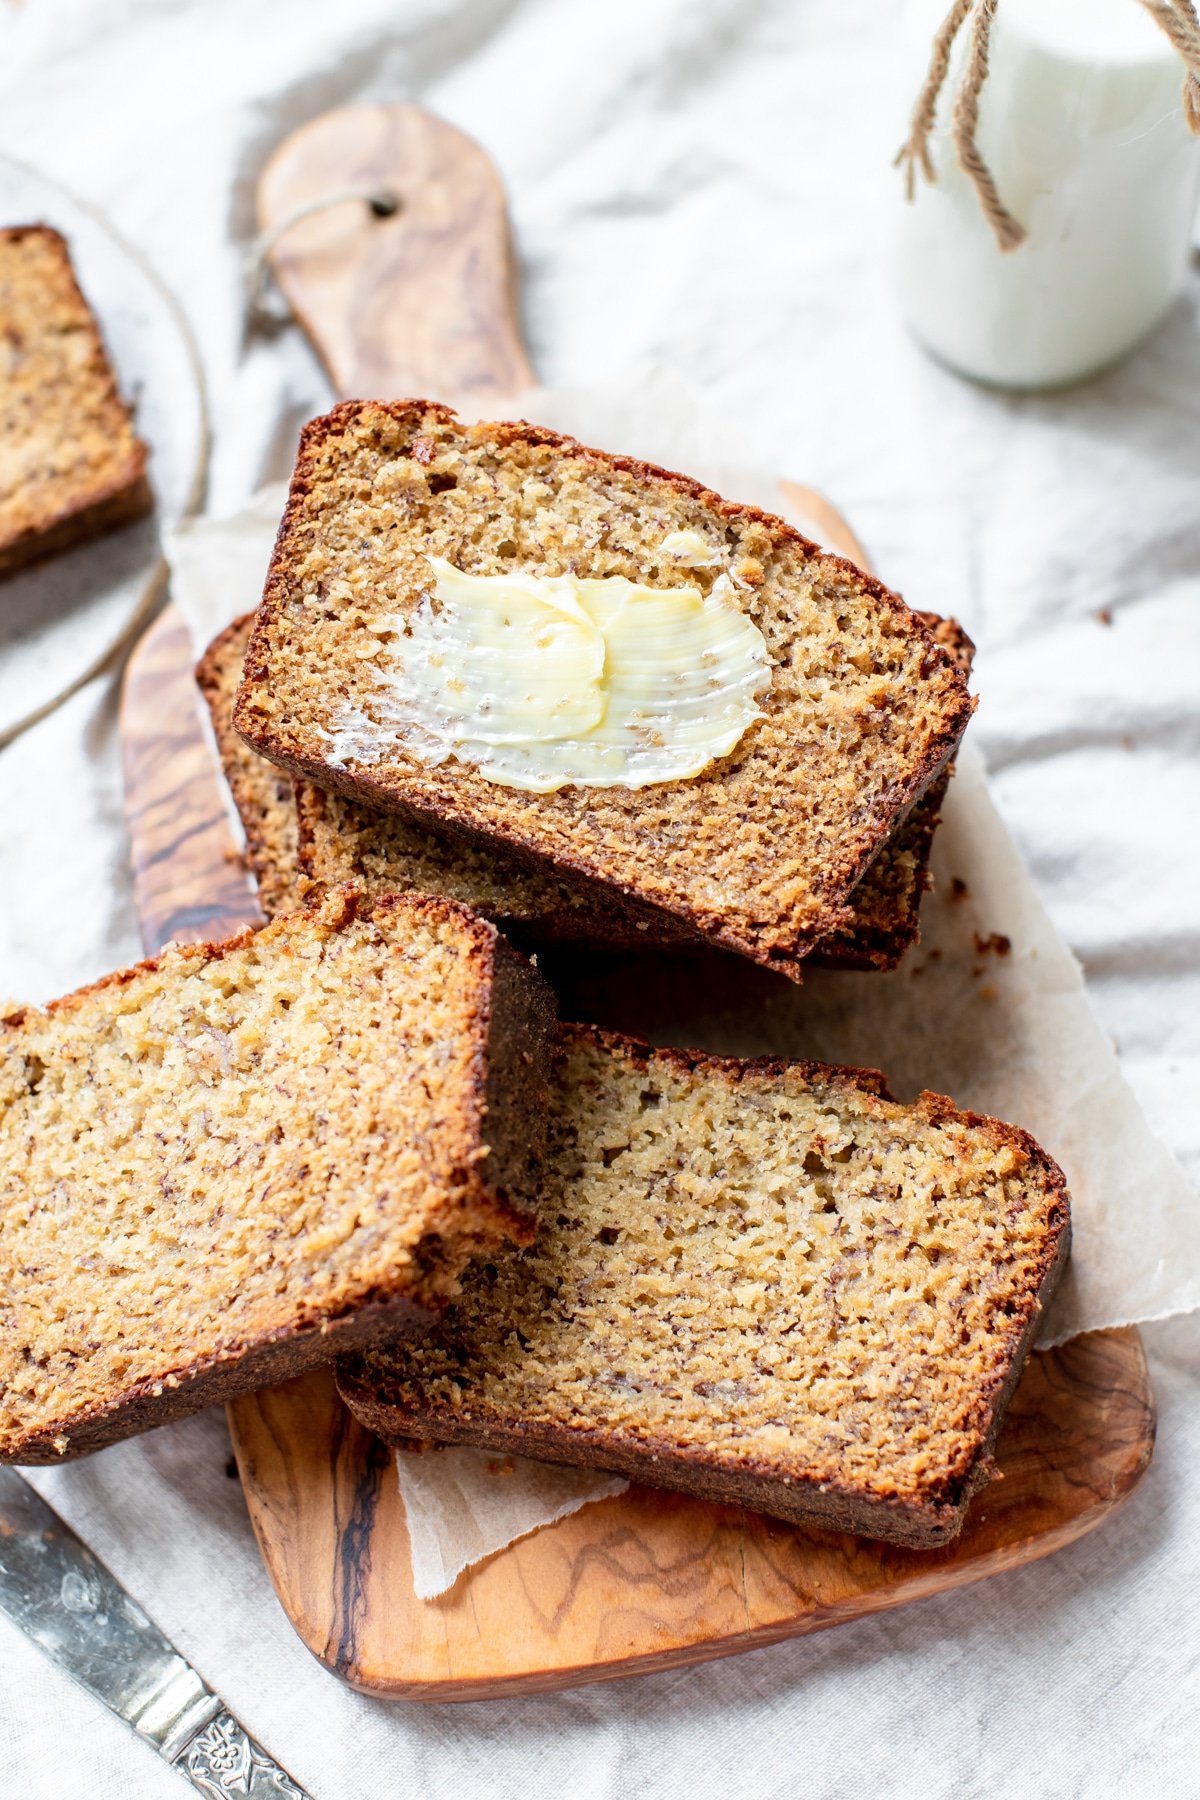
[762,1283]
[340,840]
[760,850]
[71,464]
[221,1165]
[304,842]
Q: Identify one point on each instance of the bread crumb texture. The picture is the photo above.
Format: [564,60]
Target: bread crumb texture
[70,461]
[238,1144]
[761,1271]
[758,852]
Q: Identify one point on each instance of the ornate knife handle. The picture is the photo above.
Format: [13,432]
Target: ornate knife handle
[68,1603]
[222,1759]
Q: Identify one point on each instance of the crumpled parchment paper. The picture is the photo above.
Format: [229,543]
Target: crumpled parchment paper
[461,1505]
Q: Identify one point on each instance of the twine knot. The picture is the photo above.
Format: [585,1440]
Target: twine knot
[1177,19]
[382,203]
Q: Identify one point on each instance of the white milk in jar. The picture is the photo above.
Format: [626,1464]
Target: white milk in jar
[1081,123]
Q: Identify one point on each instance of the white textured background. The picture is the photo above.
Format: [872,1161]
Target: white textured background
[705,182]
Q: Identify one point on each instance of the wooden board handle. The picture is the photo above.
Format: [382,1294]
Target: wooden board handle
[418,303]
[420,300]
[821,520]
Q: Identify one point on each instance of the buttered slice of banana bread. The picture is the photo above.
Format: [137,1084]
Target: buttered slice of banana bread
[761,1283]
[850,707]
[71,464]
[303,842]
[219,1166]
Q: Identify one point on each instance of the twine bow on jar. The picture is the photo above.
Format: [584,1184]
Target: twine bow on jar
[1176,18]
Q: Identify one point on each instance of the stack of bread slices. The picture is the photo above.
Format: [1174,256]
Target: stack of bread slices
[358,1132]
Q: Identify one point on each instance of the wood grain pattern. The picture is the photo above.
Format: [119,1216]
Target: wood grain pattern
[419,303]
[189,880]
[650,1579]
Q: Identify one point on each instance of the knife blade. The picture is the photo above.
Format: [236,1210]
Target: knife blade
[76,1610]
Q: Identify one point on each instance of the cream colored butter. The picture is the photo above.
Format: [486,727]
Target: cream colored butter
[690,549]
[542,682]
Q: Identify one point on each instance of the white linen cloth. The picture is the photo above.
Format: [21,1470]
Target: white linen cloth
[707,182]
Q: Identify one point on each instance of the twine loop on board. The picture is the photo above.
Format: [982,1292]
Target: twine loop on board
[1177,19]
[381,202]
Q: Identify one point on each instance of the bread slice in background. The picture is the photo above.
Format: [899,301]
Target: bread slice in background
[764,1283]
[220,1166]
[302,843]
[261,793]
[759,852]
[71,464]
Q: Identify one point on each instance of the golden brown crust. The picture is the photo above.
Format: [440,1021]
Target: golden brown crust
[886,903]
[71,465]
[387,1390]
[574,831]
[210,1381]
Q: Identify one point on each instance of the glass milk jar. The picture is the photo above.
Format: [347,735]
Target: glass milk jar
[1081,124]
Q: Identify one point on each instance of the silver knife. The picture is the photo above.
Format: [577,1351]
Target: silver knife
[61,1596]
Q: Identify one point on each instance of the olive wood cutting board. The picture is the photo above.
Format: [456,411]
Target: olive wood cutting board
[417,297]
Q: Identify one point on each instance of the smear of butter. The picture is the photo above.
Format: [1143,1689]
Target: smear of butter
[690,549]
[542,682]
